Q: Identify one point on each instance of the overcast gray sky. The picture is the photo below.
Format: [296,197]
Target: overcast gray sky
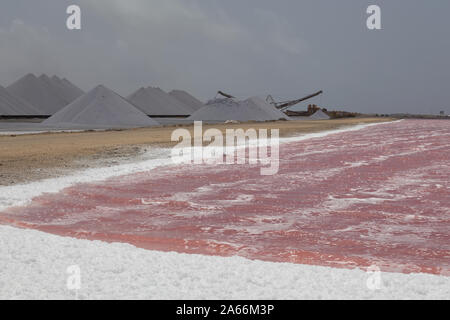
[285,48]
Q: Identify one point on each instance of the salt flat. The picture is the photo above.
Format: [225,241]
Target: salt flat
[34,265]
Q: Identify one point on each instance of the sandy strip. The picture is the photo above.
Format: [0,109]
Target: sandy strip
[31,157]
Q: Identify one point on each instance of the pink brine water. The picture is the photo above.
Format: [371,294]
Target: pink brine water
[380,195]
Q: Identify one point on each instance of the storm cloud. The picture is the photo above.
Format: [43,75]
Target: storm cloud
[255,47]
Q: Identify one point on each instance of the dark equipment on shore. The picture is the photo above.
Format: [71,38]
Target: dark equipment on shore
[226,95]
[286,104]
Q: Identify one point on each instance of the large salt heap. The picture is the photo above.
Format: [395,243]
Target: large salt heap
[187,99]
[68,90]
[155,102]
[100,108]
[11,105]
[254,108]
[48,95]
[319,115]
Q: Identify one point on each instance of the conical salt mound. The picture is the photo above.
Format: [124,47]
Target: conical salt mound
[156,102]
[65,91]
[193,103]
[270,111]
[252,109]
[11,105]
[68,89]
[42,93]
[319,115]
[100,108]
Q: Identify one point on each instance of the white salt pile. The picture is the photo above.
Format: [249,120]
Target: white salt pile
[70,85]
[48,95]
[10,105]
[100,108]
[319,115]
[187,99]
[227,109]
[156,102]
[69,90]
